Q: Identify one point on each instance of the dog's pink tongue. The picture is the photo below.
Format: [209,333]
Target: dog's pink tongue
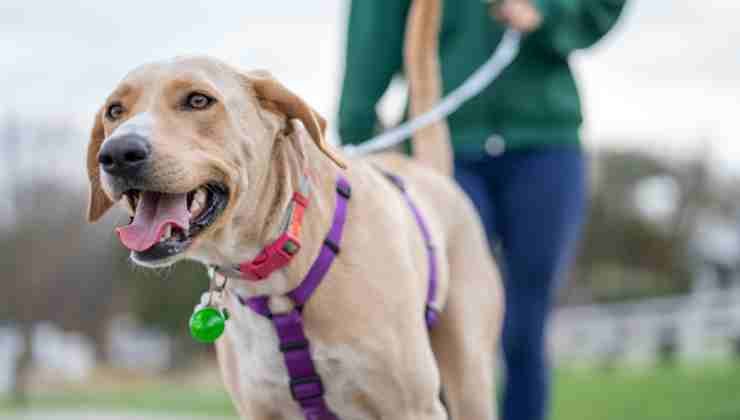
[154,212]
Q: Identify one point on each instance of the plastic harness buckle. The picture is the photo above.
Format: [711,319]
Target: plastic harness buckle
[306,388]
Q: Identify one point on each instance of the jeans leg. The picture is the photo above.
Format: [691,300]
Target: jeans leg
[475,186]
[540,206]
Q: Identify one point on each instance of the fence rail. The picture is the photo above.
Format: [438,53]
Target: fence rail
[699,326]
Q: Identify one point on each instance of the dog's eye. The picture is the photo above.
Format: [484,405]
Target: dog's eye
[198,101]
[114,111]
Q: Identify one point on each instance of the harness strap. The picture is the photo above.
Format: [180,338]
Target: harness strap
[306,386]
[430,313]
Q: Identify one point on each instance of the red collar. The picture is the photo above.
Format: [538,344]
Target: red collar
[280,252]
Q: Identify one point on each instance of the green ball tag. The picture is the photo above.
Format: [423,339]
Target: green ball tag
[207,324]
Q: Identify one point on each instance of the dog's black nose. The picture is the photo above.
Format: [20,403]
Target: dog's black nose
[124,156]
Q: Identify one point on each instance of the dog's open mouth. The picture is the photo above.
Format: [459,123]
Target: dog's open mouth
[165,224]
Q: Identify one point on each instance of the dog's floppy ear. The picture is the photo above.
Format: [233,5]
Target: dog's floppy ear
[269,89]
[99,202]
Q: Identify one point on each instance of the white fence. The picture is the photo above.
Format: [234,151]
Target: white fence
[702,326]
[10,346]
[695,327]
[63,356]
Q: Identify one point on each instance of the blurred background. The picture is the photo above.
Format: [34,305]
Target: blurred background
[648,325]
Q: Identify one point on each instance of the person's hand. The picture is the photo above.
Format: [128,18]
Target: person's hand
[518,14]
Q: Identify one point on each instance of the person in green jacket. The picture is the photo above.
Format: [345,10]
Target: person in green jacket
[516,144]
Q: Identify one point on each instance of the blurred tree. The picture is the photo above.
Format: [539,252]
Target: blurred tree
[13,142]
[165,300]
[64,270]
[624,255]
[55,268]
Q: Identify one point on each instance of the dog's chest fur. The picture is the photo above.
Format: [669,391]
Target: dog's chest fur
[263,377]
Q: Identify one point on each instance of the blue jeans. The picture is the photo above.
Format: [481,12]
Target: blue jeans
[532,203]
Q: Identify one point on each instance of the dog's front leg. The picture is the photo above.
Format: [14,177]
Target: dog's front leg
[408,384]
[248,409]
[428,408]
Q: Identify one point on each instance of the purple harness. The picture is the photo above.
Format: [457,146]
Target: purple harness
[306,386]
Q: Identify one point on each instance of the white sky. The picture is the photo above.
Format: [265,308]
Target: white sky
[667,77]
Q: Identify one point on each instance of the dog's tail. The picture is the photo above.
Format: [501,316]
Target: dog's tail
[421,60]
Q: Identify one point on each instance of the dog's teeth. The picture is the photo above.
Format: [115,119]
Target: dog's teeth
[167,233]
[130,208]
[131,203]
[199,202]
[195,209]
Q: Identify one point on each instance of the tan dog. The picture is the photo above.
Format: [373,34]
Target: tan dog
[207,158]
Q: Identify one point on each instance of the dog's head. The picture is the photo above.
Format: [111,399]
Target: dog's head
[182,144]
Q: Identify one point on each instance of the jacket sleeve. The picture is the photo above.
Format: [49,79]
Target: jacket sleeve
[373,56]
[575,24]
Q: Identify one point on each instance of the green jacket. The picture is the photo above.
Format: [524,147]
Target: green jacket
[535,101]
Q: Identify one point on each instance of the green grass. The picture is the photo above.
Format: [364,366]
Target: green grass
[169,399]
[709,392]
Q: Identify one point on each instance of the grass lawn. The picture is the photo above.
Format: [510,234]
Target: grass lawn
[709,392]
[169,399]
